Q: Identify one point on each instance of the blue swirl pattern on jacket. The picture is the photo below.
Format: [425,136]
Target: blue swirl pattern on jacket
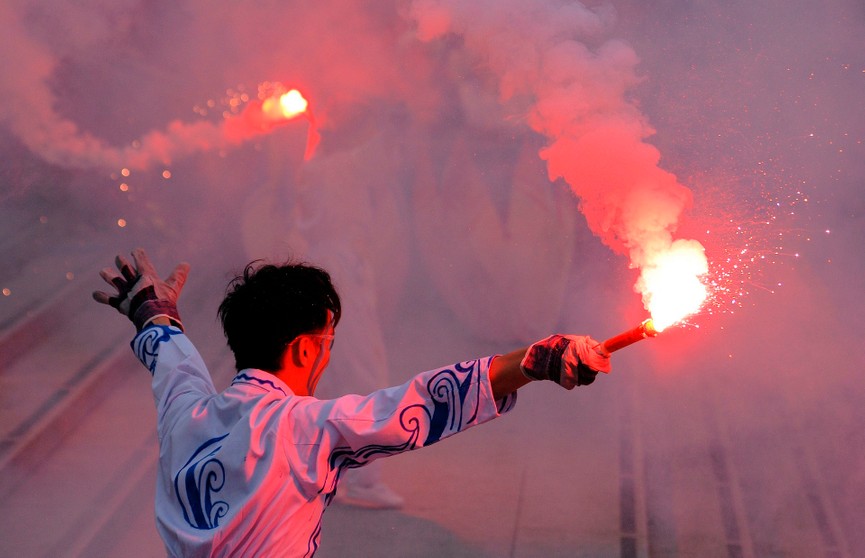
[196,484]
[448,390]
[145,345]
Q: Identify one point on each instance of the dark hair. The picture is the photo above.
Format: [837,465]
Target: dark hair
[268,306]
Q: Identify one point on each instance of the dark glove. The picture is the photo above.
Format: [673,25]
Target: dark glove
[568,360]
[141,295]
[122,282]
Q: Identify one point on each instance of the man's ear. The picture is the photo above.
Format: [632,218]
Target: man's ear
[304,349]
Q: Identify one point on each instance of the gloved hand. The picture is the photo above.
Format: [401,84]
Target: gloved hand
[141,294]
[568,360]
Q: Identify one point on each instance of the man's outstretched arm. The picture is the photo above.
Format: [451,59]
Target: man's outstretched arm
[506,376]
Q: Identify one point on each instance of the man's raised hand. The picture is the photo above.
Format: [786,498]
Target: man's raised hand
[141,295]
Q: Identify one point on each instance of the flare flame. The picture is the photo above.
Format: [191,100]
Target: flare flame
[671,283]
[285,106]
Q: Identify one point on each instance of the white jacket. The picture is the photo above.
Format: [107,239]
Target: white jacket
[249,471]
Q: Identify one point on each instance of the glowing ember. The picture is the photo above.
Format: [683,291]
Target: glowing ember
[671,283]
[286,106]
[292,103]
[275,105]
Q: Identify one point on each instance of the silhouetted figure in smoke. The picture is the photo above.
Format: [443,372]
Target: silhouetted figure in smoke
[249,471]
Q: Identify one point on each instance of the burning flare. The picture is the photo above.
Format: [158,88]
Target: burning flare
[670,282]
[274,107]
[285,106]
[671,285]
[626,338]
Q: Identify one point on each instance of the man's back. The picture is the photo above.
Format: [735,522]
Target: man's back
[250,471]
[228,482]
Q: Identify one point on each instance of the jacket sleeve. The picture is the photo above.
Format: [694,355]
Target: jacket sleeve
[180,377]
[353,430]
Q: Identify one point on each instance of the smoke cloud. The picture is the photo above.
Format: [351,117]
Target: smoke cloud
[555,67]
[51,41]
[551,66]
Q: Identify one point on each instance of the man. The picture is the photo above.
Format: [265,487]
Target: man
[250,471]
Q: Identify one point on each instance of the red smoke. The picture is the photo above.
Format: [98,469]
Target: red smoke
[544,64]
[576,97]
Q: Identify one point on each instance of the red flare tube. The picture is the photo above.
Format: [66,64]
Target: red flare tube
[622,340]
